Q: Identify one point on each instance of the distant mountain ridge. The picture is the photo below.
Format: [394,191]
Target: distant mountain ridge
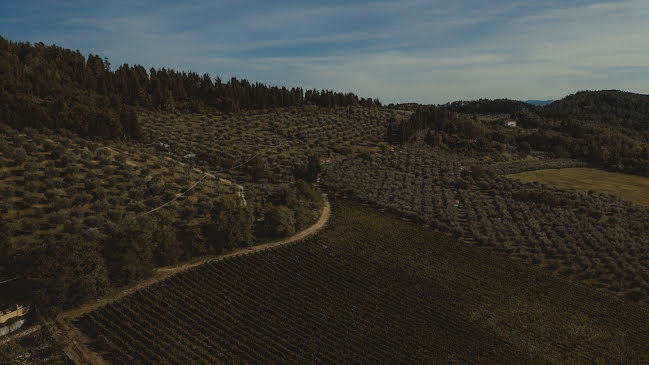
[539,102]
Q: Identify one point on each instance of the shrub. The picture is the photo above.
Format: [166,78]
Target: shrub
[279,221]
[20,156]
[31,198]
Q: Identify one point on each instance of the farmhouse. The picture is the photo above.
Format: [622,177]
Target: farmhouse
[509,123]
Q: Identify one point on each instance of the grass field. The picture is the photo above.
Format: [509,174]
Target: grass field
[629,187]
[370,288]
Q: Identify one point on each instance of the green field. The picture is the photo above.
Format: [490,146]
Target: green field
[371,288]
[629,187]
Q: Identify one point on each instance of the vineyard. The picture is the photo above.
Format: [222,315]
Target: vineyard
[589,236]
[363,294]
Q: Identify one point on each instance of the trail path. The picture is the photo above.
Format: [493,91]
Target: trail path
[75,342]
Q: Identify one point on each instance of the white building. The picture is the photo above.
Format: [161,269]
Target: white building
[509,123]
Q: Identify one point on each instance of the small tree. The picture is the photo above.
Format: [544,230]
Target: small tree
[279,222]
[233,222]
[478,172]
[65,272]
[129,250]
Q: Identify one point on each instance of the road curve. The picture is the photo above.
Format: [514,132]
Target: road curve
[75,340]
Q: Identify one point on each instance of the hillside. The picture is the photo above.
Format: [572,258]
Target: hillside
[613,108]
[487,106]
[352,295]
[49,86]
[591,237]
[107,175]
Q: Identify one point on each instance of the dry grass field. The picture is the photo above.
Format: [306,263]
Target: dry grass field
[629,187]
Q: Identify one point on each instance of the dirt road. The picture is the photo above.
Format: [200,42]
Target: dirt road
[75,341]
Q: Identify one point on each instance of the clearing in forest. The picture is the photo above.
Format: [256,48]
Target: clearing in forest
[625,186]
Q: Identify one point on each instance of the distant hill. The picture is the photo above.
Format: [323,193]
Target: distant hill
[612,107]
[539,102]
[487,106]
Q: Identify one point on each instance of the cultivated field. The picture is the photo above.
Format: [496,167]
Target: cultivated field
[283,137]
[360,292]
[592,237]
[630,187]
[58,183]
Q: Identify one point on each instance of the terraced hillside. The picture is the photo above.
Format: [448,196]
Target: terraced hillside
[85,216]
[52,183]
[370,288]
[589,236]
[284,137]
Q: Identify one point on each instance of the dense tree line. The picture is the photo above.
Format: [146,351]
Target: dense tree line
[612,108]
[58,88]
[612,147]
[487,106]
[399,132]
[599,145]
[404,106]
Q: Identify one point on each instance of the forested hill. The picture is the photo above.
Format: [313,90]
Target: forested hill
[49,86]
[488,106]
[612,107]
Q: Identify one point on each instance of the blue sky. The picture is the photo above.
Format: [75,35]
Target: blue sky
[421,51]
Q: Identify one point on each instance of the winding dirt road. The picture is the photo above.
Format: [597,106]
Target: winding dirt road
[75,341]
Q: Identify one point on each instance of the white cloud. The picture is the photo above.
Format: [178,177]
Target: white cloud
[418,51]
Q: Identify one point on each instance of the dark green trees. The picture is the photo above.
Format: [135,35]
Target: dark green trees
[280,222]
[232,223]
[64,272]
[49,86]
[5,247]
[310,171]
[129,250]
[524,148]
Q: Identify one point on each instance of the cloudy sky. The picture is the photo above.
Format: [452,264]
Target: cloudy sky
[422,51]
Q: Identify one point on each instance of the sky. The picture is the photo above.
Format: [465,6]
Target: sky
[428,52]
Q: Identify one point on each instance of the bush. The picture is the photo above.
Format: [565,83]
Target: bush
[478,172]
[525,148]
[31,198]
[233,221]
[66,272]
[20,156]
[279,222]
[129,250]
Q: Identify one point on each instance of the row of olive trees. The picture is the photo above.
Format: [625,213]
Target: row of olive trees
[585,235]
[68,190]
